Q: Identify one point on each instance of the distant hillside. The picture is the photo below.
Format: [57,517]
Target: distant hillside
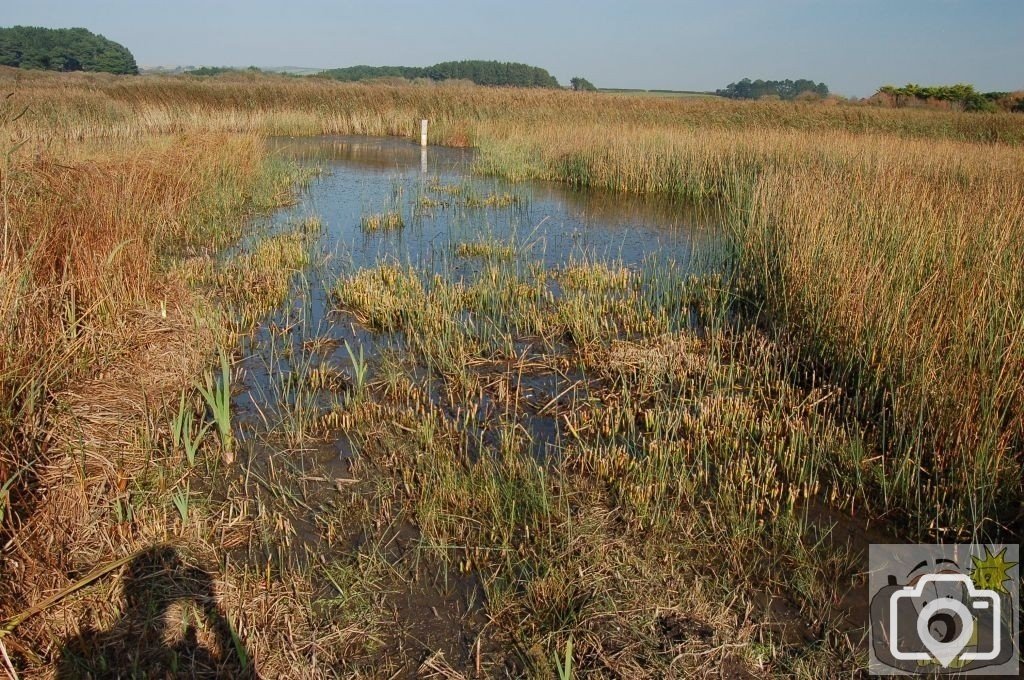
[293,70]
[63,49]
[656,93]
[480,72]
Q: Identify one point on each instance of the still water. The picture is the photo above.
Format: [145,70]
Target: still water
[442,204]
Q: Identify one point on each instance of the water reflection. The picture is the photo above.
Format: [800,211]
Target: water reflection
[374,175]
[442,205]
[372,153]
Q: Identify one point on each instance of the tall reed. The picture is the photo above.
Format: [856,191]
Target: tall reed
[89,232]
[883,245]
[890,267]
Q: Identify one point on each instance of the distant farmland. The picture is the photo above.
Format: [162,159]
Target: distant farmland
[655,93]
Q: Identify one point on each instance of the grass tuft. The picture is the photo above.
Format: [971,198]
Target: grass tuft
[217,394]
[386,221]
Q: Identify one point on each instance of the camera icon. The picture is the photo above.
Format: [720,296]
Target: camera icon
[945,625]
[943,610]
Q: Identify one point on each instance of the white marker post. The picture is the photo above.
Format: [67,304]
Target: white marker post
[423,132]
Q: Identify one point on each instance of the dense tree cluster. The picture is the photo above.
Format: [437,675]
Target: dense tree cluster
[480,72]
[784,89]
[960,94]
[582,85]
[63,49]
[362,72]
[219,70]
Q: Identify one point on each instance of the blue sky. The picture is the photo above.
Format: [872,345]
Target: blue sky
[853,45]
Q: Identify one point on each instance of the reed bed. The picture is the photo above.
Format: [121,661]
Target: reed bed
[86,234]
[101,329]
[864,352]
[904,287]
[87,105]
[890,267]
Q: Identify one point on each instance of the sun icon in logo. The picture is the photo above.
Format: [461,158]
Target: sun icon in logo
[991,572]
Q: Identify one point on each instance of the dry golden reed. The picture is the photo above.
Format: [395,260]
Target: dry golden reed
[883,242]
[881,247]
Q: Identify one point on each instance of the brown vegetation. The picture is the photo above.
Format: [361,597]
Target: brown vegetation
[878,252]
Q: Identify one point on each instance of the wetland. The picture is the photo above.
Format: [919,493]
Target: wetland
[590,387]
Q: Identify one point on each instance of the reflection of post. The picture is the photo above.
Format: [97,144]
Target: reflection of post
[423,160]
[423,132]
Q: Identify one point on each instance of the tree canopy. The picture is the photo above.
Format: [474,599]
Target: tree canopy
[63,49]
[480,72]
[784,89]
[220,70]
[582,85]
[963,94]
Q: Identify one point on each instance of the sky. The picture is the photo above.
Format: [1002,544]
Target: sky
[852,45]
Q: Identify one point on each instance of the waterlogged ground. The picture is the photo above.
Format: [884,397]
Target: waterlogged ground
[502,428]
[454,226]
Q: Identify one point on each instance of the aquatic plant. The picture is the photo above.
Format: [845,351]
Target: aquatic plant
[359,368]
[183,433]
[181,500]
[485,249]
[217,394]
[556,438]
[382,221]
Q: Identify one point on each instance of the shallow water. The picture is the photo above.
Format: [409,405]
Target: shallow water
[302,478]
[363,176]
[546,223]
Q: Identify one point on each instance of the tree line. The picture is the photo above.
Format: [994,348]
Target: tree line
[63,49]
[479,72]
[221,70]
[961,95]
[580,84]
[783,89]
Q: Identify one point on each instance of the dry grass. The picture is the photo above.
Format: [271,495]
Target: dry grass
[879,247]
[86,232]
[888,265]
[89,105]
[82,279]
[100,332]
